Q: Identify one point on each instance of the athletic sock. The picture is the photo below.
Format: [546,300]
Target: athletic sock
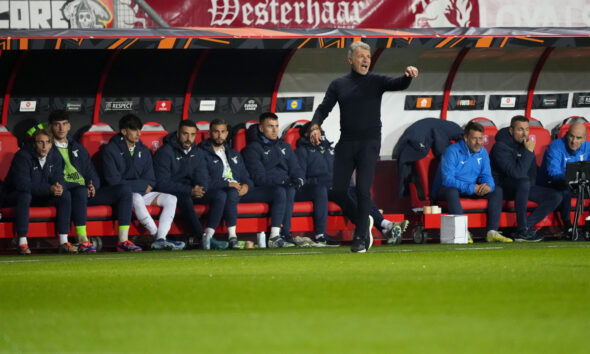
[123,233]
[143,215]
[168,204]
[22,241]
[318,236]
[63,238]
[81,232]
[275,231]
[209,232]
[231,231]
[386,224]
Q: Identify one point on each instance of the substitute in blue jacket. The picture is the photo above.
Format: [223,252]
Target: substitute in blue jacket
[180,171]
[227,181]
[126,160]
[275,171]
[572,147]
[318,161]
[515,170]
[84,184]
[36,178]
[464,172]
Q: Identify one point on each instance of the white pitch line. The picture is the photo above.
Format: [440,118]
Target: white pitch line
[479,248]
[22,261]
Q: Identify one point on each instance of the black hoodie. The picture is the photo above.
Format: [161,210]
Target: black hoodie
[511,160]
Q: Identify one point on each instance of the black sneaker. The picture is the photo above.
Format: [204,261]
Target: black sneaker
[233,243]
[289,241]
[327,241]
[358,245]
[528,235]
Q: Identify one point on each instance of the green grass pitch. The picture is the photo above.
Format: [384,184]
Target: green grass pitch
[516,298]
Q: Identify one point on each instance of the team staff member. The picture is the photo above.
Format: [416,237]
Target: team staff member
[515,170]
[359,96]
[36,178]
[227,180]
[84,184]
[318,163]
[464,171]
[180,171]
[572,147]
[127,161]
[276,174]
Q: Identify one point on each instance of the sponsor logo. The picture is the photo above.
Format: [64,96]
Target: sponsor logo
[235,159]
[28,106]
[466,103]
[73,107]
[284,151]
[424,102]
[118,106]
[583,100]
[251,105]
[479,160]
[508,102]
[282,13]
[207,105]
[163,106]
[294,104]
[549,101]
[444,13]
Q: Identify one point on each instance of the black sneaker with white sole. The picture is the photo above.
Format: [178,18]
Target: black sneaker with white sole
[358,244]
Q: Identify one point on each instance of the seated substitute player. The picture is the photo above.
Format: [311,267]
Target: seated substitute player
[227,180]
[36,178]
[180,171]
[572,147]
[276,174]
[464,171]
[84,184]
[515,170]
[126,160]
[318,163]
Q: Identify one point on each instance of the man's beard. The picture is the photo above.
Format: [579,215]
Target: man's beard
[216,144]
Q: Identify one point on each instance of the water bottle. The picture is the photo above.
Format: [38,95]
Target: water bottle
[206,242]
[261,236]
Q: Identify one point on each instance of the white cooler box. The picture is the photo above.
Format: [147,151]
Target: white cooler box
[453,229]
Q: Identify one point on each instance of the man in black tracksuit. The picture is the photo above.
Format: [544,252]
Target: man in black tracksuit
[514,169]
[82,180]
[226,181]
[36,178]
[359,96]
[276,174]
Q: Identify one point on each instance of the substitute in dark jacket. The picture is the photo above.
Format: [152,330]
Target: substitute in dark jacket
[276,173]
[227,181]
[318,163]
[180,171]
[84,184]
[36,178]
[514,169]
[127,161]
[359,96]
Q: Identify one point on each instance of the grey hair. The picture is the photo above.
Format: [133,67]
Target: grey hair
[357,45]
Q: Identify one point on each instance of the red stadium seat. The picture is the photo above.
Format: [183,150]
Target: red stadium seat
[97,135]
[489,133]
[541,137]
[291,133]
[202,131]
[152,135]
[240,135]
[8,147]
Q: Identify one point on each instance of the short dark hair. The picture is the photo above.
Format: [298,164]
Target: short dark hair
[187,123]
[473,126]
[130,121]
[304,129]
[58,116]
[518,118]
[217,121]
[267,115]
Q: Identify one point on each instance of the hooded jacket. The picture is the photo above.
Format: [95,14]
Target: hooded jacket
[81,161]
[557,156]
[462,169]
[27,176]
[316,161]
[119,167]
[213,166]
[269,162]
[511,160]
[177,172]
